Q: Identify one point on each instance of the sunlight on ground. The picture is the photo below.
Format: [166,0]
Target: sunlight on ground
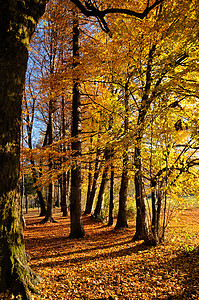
[108,263]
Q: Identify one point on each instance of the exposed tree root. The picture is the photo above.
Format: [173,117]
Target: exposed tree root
[23,281]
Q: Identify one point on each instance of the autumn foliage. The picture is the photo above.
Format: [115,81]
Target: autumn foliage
[104,127]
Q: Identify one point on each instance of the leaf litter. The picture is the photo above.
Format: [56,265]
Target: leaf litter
[107,264]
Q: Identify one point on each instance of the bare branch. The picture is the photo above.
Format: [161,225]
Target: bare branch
[90,10]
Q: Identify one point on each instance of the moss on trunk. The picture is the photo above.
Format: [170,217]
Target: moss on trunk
[15,274]
[17,23]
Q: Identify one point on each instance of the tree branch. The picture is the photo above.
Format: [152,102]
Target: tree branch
[90,10]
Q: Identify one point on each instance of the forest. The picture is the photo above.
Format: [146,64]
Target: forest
[99,149]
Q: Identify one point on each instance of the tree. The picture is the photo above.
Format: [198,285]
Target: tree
[103,183]
[111,203]
[18,20]
[51,110]
[28,115]
[93,184]
[77,229]
[122,217]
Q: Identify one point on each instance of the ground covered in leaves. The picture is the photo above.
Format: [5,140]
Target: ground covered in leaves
[108,263]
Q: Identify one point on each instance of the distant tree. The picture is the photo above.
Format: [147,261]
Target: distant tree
[18,20]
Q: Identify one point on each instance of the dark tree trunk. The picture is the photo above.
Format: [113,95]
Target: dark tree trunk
[39,193]
[159,205]
[58,193]
[156,199]
[49,210]
[142,228]
[141,216]
[76,226]
[154,214]
[17,23]
[89,187]
[143,231]
[64,206]
[26,203]
[111,204]
[122,217]
[89,177]
[41,199]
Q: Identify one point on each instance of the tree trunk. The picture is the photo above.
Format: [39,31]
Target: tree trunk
[41,200]
[49,210]
[143,231]
[101,192]
[111,204]
[140,203]
[159,205]
[122,218]
[154,212]
[76,226]
[89,188]
[64,206]
[90,199]
[156,199]
[17,23]
[34,173]
[39,193]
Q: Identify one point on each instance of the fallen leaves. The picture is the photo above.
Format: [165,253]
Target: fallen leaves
[108,263]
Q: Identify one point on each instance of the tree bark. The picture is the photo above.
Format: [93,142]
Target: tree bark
[39,194]
[101,192]
[156,200]
[89,207]
[111,204]
[76,226]
[64,205]
[49,210]
[154,223]
[122,217]
[90,199]
[18,20]
[142,228]
[29,128]
[143,232]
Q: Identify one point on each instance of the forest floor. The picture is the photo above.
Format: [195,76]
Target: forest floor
[108,263]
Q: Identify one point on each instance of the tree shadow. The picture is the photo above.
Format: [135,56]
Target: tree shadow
[101,240]
[186,266]
[97,256]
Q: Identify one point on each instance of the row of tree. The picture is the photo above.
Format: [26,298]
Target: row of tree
[125,104]
[112,95]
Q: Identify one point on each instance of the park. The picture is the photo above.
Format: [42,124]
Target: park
[99,149]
